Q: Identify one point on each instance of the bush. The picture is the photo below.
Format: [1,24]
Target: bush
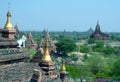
[91,41]
[116,70]
[84,49]
[108,50]
[73,71]
[65,46]
[74,57]
[31,52]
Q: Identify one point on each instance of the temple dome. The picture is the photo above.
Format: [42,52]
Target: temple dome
[8,25]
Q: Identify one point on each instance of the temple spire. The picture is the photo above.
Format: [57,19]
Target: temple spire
[8,24]
[97,30]
[63,69]
[97,22]
[46,56]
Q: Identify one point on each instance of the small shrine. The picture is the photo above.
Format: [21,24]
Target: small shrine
[8,31]
[51,45]
[46,64]
[30,44]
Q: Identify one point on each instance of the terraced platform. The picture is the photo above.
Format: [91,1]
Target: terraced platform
[18,72]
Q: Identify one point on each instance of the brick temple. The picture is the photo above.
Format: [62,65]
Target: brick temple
[51,45]
[98,35]
[30,44]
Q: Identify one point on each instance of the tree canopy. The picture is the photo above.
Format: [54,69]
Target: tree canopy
[65,46]
[116,70]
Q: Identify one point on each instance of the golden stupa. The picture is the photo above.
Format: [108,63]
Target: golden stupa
[46,56]
[8,25]
[63,69]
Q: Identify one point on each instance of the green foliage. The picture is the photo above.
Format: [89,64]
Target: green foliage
[85,57]
[31,52]
[99,44]
[108,50]
[84,49]
[65,46]
[99,47]
[95,63]
[91,41]
[73,71]
[116,70]
[78,71]
[96,66]
[112,37]
[74,57]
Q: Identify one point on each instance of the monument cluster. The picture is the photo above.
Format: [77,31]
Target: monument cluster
[15,63]
[14,60]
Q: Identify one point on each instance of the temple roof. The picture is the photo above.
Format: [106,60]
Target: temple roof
[97,34]
[8,24]
[18,72]
[46,56]
[63,69]
[97,30]
[50,42]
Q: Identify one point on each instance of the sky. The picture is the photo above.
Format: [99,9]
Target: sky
[60,15]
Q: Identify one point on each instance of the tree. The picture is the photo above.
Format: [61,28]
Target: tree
[74,57]
[108,50]
[99,47]
[91,41]
[84,49]
[116,70]
[65,46]
[100,44]
[94,62]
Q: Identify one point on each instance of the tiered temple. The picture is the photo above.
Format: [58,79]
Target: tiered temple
[41,49]
[90,31]
[30,42]
[8,46]
[46,64]
[51,45]
[98,35]
[17,33]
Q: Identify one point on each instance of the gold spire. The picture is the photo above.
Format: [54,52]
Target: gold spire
[8,24]
[46,56]
[63,69]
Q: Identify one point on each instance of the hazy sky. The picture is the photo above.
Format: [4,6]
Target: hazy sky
[57,15]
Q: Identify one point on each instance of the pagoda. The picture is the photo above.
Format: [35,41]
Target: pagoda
[17,33]
[10,53]
[51,45]
[98,35]
[46,64]
[30,42]
[8,31]
[63,71]
[90,31]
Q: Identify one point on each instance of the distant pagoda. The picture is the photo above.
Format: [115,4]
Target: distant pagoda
[17,33]
[46,64]
[98,35]
[90,31]
[30,44]
[51,45]
[8,46]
